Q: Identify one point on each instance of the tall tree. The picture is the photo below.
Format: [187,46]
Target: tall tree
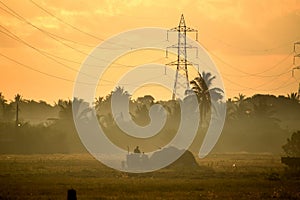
[65,107]
[98,104]
[261,108]
[240,98]
[18,99]
[146,100]
[121,98]
[240,105]
[294,97]
[202,87]
[292,147]
[3,104]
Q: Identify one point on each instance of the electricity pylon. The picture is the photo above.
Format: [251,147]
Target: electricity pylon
[296,55]
[181,76]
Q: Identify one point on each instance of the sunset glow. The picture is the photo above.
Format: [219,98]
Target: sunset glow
[43,43]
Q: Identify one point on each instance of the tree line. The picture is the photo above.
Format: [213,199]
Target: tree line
[261,123]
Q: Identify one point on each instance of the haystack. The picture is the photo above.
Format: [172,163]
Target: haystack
[185,161]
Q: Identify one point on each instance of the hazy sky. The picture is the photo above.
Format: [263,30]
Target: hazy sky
[251,41]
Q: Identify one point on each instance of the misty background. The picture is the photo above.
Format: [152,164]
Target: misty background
[261,123]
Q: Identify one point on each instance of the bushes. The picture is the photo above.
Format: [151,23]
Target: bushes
[28,139]
[292,147]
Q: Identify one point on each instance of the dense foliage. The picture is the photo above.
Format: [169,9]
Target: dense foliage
[260,123]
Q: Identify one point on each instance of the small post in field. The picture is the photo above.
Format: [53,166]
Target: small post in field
[72,194]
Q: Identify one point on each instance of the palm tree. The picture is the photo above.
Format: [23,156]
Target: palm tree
[294,97]
[18,99]
[240,106]
[146,100]
[201,86]
[3,103]
[120,93]
[240,98]
[121,96]
[65,107]
[231,109]
[98,102]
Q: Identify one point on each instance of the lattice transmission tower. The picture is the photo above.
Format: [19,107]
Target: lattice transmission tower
[296,55]
[182,63]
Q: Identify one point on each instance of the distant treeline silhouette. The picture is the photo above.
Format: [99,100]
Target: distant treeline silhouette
[261,123]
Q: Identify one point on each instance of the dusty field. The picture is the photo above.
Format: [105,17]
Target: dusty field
[50,176]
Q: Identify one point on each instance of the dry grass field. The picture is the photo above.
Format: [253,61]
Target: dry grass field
[220,176]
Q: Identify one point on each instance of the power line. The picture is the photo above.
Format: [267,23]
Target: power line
[246,88]
[15,14]
[46,32]
[66,23]
[252,50]
[50,35]
[269,90]
[72,81]
[53,37]
[48,55]
[275,77]
[246,73]
[70,25]
[251,88]
[36,70]
[19,17]
[18,39]
[15,37]
[259,76]
[255,75]
[43,53]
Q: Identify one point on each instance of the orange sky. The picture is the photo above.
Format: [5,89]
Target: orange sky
[248,40]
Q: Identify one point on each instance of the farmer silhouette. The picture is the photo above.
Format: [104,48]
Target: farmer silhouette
[137,150]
